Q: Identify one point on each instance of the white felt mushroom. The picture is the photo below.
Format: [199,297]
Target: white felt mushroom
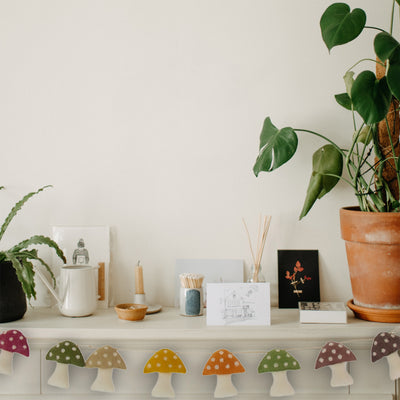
[165,362]
[387,345]
[11,342]
[65,353]
[278,362]
[336,355]
[105,358]
[223,364]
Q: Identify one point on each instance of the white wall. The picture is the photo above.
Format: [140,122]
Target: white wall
[145,115]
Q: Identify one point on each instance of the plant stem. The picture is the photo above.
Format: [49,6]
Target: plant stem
[323,137]
[374,27]
[392,17]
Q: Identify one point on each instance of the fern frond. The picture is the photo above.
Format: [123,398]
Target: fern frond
[25,274]
[32,255]
[39,239]
[16,208]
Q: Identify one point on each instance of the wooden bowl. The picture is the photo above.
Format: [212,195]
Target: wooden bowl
[131,311]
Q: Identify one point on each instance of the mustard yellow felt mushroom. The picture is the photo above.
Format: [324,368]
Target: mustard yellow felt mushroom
[105,359]
[223,364]
[165,362]
[65,353]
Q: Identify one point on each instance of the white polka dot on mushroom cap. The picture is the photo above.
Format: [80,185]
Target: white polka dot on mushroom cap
[216,367]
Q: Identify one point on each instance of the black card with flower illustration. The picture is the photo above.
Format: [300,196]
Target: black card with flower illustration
[298,277]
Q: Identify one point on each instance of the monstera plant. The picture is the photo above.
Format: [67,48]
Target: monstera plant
[370,164]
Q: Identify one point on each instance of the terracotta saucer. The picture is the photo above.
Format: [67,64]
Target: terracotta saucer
[374,314]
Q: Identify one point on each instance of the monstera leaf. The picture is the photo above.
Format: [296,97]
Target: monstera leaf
[371,97]
[339,25]
[344,100]
[327,168]
[388,48]
[277,146]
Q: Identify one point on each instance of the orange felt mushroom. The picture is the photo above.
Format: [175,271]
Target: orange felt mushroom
[223,364]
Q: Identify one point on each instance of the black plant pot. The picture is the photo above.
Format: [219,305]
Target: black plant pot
[12,297]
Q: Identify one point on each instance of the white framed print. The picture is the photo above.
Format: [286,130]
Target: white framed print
[233,304]
[87,245]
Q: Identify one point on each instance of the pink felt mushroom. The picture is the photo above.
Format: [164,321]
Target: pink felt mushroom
[335,356]
[386,345]
[11,342]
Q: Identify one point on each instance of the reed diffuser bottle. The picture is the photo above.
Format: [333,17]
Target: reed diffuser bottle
[256,274]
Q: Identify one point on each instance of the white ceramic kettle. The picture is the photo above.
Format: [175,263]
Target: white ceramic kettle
[77,293]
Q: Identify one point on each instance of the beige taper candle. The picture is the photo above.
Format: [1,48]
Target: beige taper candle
[139,288]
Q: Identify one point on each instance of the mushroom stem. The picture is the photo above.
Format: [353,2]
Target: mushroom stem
[394,365]
[281,385]
[60,376]
[163,386]
[6,362]
[103,381]
[340,376]
[224,387]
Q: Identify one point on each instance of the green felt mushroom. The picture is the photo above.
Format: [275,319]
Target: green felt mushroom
[64,354]
[278,362]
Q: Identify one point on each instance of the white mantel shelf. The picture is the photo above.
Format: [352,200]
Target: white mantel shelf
[194,341]
[45,323]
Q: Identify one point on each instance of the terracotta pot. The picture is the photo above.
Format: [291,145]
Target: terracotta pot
[373,254]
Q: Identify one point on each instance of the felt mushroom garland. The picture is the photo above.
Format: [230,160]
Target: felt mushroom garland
[165,362]
[105,359]
[65,353]
[386,345]
[12,341]
[336,355]
[278,362]
[223,364]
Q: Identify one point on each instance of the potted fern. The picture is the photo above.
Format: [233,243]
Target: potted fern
[17,269]
[370,164]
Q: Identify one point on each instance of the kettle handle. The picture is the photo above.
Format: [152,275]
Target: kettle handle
[47,284]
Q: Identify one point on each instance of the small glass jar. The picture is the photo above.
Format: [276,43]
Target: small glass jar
[256,274]
[191,302]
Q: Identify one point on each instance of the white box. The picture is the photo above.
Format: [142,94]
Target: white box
[322,312]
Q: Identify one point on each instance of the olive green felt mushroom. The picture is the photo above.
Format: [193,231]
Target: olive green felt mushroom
[64,354]
[278,362]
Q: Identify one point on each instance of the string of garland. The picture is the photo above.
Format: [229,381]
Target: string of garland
[222,363]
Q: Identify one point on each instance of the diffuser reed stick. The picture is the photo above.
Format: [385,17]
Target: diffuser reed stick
[263,228]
